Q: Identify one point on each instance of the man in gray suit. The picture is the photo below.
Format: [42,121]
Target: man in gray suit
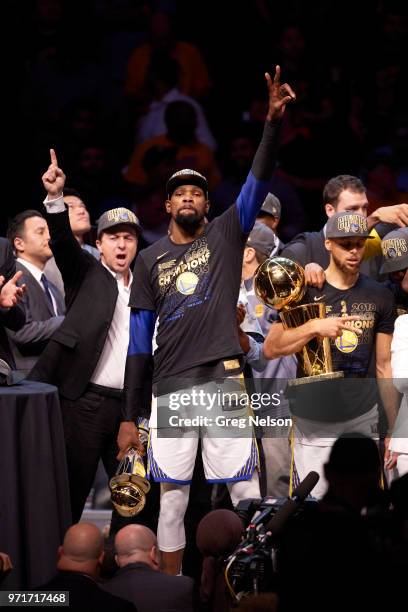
[139,578]
[43,303]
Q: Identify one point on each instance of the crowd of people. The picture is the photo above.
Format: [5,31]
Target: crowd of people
[159,301]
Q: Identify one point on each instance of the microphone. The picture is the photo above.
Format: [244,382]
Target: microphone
[278,521]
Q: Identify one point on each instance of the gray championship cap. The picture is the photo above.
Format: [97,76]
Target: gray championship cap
[395,250]
[186,177]
[262,239]
[271,206]
[117,216]
[347,225]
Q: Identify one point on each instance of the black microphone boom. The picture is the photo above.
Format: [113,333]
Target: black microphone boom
[278,521]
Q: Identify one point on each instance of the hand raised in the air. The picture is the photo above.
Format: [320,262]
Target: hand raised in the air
[279,95]
[54,178]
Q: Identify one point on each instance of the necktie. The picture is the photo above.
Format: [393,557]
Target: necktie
[48,293]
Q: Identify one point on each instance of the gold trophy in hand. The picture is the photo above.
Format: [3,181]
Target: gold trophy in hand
[280,283]
[129,486]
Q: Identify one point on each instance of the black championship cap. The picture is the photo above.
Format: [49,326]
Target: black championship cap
[347,225]
[271,206]
[117,216]
[395,250]
[262,239]
[186,177]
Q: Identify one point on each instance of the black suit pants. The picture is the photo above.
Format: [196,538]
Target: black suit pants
[91,425]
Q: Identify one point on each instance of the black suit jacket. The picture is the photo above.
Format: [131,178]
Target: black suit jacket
[85,594]
[91,292]
[41,322]
[152,590]
[12,318]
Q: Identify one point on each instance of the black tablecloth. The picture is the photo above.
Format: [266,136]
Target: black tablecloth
[34,496]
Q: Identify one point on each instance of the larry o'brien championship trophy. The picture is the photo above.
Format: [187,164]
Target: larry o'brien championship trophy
[280,284]
[129,486]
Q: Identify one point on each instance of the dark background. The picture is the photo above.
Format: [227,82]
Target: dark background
[346,60]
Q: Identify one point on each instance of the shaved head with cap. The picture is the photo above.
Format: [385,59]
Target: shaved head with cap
[82,543]
[136,543]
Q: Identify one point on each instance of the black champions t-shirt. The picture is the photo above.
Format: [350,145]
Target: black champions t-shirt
[353,354]
[193,288]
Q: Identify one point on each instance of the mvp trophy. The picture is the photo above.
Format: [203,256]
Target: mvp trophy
[129,486]
[280,283]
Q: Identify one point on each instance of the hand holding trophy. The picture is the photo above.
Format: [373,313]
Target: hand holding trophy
[280,283]
[129,486]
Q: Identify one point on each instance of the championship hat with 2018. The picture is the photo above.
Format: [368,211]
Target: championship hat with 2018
[117,216]
[395,250]
[347,225]
[186,177]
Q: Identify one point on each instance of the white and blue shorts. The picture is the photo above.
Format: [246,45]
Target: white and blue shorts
[215,413]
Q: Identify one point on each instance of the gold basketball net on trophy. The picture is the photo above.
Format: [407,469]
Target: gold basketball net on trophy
[280,283]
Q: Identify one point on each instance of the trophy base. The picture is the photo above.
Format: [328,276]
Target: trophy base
[294,382]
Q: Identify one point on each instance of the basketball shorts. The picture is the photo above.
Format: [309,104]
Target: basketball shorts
[216,413]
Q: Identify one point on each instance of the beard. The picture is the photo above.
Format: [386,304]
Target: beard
[189,222]
[343,266]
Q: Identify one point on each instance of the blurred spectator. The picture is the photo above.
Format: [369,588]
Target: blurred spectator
[181,123]
[236,164]
[162,82]
[98,180]
[139,579]
[158,163]
[331,541]
[81,226]
[69,69]
[79,561]
[194,79]
[381,183]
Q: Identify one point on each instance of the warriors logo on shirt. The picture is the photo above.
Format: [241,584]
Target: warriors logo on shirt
[187,282]
[347,342]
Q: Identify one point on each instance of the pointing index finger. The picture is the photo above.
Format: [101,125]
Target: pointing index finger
[53,155]
[276,78]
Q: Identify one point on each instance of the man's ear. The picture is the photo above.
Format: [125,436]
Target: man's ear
[18,245]
[328,244]
[330,210]
[168,206]
[155,555]
[98,244]
[249,254]
[207,206]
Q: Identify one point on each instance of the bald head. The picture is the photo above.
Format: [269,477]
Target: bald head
[134,538]
[136,543]
[82,543]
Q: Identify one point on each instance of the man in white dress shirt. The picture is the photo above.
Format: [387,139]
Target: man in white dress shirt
[86,357]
